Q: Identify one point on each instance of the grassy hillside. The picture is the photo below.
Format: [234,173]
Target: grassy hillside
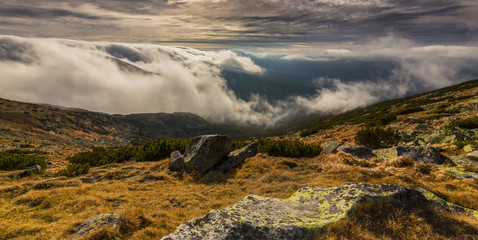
[153,201]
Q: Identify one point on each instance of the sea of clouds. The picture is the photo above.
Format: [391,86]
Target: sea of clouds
[154,78]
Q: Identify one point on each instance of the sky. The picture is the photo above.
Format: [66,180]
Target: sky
[244,23]
[245,62]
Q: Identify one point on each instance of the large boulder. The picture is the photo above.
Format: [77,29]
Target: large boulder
[423,154]
[205,151]
[237,157]
[103,220]
[360,152]
[302,216]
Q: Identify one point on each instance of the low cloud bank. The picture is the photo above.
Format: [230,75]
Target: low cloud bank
[153,78]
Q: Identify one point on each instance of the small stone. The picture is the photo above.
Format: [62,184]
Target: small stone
[360,152]
[470,148]
[103,220]
[176,162]
[473,155]
[330,147]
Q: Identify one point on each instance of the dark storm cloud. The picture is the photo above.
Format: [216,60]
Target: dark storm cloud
[43,13]
[258,21]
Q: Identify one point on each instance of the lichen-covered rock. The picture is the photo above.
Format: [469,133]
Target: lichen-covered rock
[464,161]
[360,152]
[104,220]
[205,151]
[473,155]
[424,154]
[330,147]
[176,162]
[470,148]
[460,173]
[237,157]
[302,216]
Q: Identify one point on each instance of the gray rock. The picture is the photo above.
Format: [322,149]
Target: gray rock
[237,157]
[104,220]
[176,162]
[464,161]
[302,216]
[460,173]
[34,169]
[473,155]
[330,147]
[424,154]
[360,152]
[205,151]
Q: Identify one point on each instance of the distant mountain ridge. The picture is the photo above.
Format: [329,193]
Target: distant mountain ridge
[58,124]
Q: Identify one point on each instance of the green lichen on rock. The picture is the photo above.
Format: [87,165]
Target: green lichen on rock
[464,161]
[460,173]
[302,216]
[439,202]
[470,148]
[424,154]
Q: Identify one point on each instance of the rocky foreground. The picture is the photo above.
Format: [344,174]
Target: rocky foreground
[302,216]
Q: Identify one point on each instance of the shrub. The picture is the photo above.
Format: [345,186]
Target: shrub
[469,123]
[409,110]
[153,150]
[288,148]
[376,137]
[75,169]
[380,120]
[14,161]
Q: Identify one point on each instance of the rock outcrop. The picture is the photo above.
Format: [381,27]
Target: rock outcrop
[423,154]
[360,152]
[237,157]
[302,216]
[437,136]
[104,220]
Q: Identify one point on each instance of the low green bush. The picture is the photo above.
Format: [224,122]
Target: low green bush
[14,161]
[153,150]
[409,110]
[288,148]
[75,169]
[469,123]
[376,137]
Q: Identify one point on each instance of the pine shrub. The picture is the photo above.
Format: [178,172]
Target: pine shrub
[376,137]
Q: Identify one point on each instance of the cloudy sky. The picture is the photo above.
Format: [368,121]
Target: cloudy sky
[206,23]
[246,62]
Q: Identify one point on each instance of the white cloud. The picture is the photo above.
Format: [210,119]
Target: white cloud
[83,74]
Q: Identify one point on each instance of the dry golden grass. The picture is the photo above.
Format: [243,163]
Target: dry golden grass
[154,202]
[384,221]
